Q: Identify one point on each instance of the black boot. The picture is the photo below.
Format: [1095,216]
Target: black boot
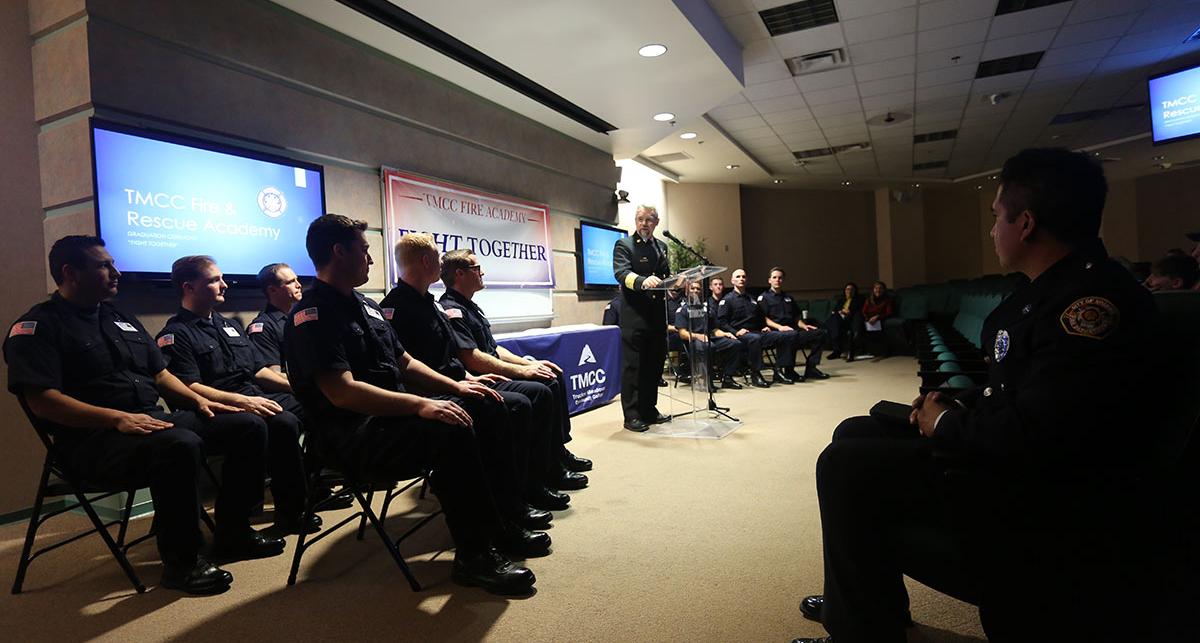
[492,571]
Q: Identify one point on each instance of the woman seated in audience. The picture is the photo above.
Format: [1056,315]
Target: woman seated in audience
[875,309]
[845,322]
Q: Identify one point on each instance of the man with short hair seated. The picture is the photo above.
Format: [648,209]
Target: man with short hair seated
[739,315]
[1173,272]
[781,316]
[282,288]
[211,354]
[349,370]
[94,375]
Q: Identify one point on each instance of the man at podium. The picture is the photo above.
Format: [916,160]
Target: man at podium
[639,265]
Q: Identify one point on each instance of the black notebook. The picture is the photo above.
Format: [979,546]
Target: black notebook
[892,412]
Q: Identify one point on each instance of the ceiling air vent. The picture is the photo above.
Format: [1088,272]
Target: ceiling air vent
[813,63]
[929,137]
[1008,64]
[1093,114]
[671,158]
[1013,6]
[830,151]
[932,165]
[799,16]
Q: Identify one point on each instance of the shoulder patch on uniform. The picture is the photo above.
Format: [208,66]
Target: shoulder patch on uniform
[453,313]
[1094,317]
[388,313]
[166,340]
[306,315]
[23,328]
[256,327]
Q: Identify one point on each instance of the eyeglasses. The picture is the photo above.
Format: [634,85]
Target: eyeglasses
[476,268]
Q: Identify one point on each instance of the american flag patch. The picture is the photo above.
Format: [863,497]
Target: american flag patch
[306,315]
[166,340]
[255,328]
[388,312]
[453,313]
[23,328]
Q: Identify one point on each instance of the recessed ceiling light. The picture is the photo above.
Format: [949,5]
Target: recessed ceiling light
[664,117]
[778,181]
[652,51]
[1158,158]
[916,185]
[687,136]
[978,187]
[845,183]
[732,166]
[992,177]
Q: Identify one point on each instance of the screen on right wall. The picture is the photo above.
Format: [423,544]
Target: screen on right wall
[1175,105]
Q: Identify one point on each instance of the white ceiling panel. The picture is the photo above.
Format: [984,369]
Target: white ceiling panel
[779,104]
[882,25]
[804,141]
[923,119]
[1132,61]
[1019,22]
[756,133]
[1166,15]
[849,106]
[1111,27]
[1002,83]
[887,86]
[1085,10]
[735,124]
[827,96]
[826,80]
[952,36]
[887,49]
[1017,45]
[851,9]
[760,51]
[951,12]
[736,99]
[945,76]
[942,104]
[841,119]
[796,127]
[760,5]
[733,111]
[767,72]
[747,28]
[1065,73]
[1154,39]
[885,69]
[1076,53]
[773,89]
[775,119]
[964,56]
[859,130]
[898,101]
[944,91]
[810,41]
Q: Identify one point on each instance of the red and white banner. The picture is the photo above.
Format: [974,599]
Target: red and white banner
[511,237]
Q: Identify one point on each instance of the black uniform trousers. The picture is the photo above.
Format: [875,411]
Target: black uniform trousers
[642,353]
[285,462]
[169,462]
[474,469]
[891,507]
[534,401]
[784,343]
[724,352]
[811,341]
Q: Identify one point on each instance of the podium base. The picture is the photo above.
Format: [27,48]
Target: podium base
[695,426]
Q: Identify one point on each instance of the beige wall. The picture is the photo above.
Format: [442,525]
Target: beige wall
[900,232]
[823,238]
[709,211]
[1168,206]
[1119,227]
[952,232]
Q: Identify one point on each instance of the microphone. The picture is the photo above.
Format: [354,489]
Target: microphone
[667,234]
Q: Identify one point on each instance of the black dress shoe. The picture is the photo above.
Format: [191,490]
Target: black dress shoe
[636,425]
[246,546]
[683,380]
[757,380]
[662,382]
[811,607]
[519,542]
[325,500]
[296,524]
[575,463]
[532,518]
[202,578]
[492,571]
[568,481]
[834,355]
[549,500]
[730,383]
[780,377]
[659,418]
[815,373]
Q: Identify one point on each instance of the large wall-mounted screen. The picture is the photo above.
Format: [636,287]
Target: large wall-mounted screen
[1175,105]
[160,197]
[596,254]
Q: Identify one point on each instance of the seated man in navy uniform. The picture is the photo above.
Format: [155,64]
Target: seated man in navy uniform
[348,370]
[211,354]
[739,315]
[94,375]
[477,349]
[717,343]
[421,324]
[1042,518]
[781,316]
[612,312]
[282,287]
[676,352]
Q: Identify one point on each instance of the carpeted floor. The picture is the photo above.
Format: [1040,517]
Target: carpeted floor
[675,540]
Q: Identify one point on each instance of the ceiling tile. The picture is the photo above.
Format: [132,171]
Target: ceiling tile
[948,90]
[879,26]
[796,127]
[804,141]
[760,51]
[1003,83]
[885,69]
[780,104]
[1076,53]
[859,129]
[951,12]
[736,99]
[772,89]
[767,72]
[810,41]
[887,49]
[826,79]
[733,111]
[952,36]
[1094,30]
[923,119]
[790,116]
[1068,72]
[1085,10]
[898,102]
[747,28]
[735,124]
[844,107]
[887,86]
[1154,39]
[1016,45]
[835,95]
[942,104]
[945,75]
[1019,22]
[964,56]
[851,9]
[1131,61]
[848,139]
[841,119]
[1166,15]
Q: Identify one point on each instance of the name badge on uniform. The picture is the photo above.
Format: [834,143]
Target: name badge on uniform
[388,313]
[230,330]
[256,327]
[644,259]
[126,326]
[374,313]
[760,298]
[1001,347]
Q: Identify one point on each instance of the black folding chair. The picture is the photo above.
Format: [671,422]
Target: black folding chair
[324,471]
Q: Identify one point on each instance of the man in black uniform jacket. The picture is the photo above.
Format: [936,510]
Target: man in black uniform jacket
[348,368]
[1038,520]
[211,354]
[739,315]
[714,341]
[639,264]
[94,375]
[281,286]
[478,350]
[780,315]
[612,312]
[421,323]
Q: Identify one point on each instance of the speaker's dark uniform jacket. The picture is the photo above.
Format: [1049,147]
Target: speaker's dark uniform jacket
[643,323]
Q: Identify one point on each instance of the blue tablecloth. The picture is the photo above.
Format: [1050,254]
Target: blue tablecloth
[589,355]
